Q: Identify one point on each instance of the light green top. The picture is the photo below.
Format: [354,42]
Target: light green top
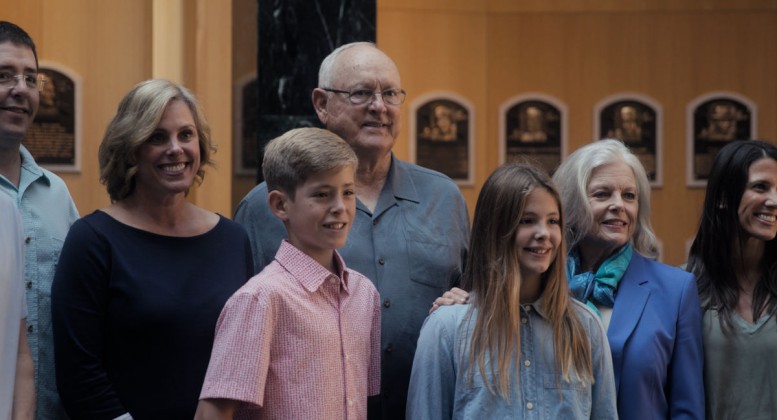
[740,368]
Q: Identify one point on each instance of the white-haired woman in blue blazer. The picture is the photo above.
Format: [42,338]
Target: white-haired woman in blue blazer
[650,310]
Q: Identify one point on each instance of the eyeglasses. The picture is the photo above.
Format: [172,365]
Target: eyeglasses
[363,96]
[32,81]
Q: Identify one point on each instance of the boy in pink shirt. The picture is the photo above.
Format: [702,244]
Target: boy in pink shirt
[302,338]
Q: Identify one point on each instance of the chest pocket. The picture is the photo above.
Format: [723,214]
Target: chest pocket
[574,396]
[433,263]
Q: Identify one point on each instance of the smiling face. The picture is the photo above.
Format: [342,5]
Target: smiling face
[320,216]
[758,206]
[369,128]
[18,104]
[168,161]
[539,234]
[614,200]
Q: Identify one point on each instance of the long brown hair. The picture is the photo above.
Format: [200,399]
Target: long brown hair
[492,274]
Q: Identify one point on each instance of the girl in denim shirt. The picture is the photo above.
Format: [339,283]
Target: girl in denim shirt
[521,348]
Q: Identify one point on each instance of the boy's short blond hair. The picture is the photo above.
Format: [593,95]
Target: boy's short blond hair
[298,154]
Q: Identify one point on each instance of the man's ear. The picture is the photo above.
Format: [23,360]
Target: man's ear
[278,202]
[320,100]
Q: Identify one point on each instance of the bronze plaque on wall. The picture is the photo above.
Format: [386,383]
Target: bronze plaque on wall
[716,120]
[634,121]
[532,129]
[53,137]
[442,136]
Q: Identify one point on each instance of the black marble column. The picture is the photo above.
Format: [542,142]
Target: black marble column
[294,37]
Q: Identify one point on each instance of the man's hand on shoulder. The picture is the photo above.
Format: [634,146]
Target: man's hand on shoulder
[451,297]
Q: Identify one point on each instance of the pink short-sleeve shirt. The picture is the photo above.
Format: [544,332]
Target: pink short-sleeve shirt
[297,341]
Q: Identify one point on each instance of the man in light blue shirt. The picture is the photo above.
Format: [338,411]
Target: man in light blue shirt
[41,197]
[411,228]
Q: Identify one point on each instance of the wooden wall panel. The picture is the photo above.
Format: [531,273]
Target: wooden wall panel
[583,52]
[579,51]
[108,45]
[244,44]
[447,54]
[208,74]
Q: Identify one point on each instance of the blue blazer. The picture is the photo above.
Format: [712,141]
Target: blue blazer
[655,337]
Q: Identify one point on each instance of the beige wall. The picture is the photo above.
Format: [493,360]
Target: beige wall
[110,45]
[578,51]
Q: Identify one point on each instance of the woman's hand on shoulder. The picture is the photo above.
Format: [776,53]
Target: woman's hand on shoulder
[451,297]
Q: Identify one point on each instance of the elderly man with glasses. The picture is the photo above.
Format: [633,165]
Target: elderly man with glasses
[411,226]
[41,197]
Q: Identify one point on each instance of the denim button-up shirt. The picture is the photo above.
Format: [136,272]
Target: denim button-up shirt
[412,247]
[440,386]
[47,213]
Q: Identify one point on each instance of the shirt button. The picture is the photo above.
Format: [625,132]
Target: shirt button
[29,284]
[333,280]
[381,261]
[29,328]
[524,320]
[529,406]
[350,403]
[527,308]
[526,363]
[389,348]
[387,303]
[27,240]
[374,222]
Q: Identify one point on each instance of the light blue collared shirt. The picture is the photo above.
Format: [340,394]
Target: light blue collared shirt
[47,213]
[440,387]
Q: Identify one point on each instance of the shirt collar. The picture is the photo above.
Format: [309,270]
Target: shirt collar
[537,306]
[29,173]
[29,165]
[308,271]
[400,183]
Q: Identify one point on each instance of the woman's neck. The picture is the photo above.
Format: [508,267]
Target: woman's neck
[531,289]
[747,261]
[174,217]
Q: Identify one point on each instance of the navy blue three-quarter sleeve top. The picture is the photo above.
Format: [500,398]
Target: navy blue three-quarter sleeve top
[134,315]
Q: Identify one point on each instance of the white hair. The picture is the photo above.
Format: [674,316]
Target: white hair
[572,179]
[325,71]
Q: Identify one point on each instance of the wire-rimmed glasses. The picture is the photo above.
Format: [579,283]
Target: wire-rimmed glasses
[362,96]
[32,81]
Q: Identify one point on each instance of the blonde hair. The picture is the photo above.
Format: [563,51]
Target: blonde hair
[136,119]
[295,156]
[493,275]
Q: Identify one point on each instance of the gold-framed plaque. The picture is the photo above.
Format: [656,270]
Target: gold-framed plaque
[245,126]
[714,120]
[532,126]
[442,135]
[636,120]
[54,138]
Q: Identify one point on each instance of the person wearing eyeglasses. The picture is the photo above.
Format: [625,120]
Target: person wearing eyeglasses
[41,197]
[410,231]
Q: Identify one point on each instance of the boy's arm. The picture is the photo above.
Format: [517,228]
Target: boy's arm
[374,369]
[24,384]
[215,409]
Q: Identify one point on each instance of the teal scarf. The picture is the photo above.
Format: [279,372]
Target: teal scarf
[599,288]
